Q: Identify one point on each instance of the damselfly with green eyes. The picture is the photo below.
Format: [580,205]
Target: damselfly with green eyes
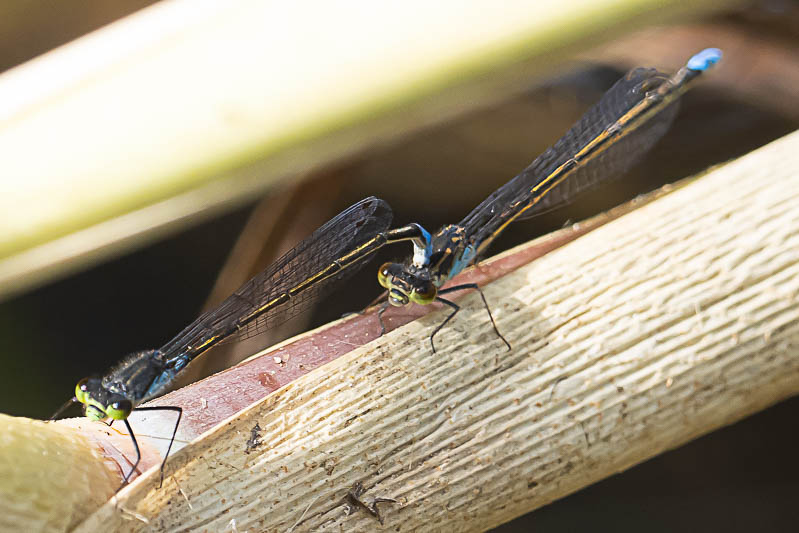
[612,136]
[286,288]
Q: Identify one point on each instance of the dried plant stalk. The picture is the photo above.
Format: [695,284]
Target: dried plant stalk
[656,328]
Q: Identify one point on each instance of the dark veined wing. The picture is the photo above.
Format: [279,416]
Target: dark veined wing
[261,303]
[612,163]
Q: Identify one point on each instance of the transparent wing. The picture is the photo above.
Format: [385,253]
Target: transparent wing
[611,164]
[258,302]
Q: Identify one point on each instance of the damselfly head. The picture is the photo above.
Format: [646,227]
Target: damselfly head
[407,284]
[99,403]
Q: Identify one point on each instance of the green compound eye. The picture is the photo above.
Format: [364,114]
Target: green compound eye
[119,410]
[81,393]
[425,295]
[382,276]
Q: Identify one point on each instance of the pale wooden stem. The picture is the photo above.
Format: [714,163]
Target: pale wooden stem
[672,321]
[51,476]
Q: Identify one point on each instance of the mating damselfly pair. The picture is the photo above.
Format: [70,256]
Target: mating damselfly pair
[609,138]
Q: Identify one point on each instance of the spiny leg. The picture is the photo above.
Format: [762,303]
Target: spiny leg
[485,304]
[455,308]
[179,411]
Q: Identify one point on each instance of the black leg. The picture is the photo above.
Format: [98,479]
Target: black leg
[380,298]
[138,454]
[380,318]
[455,308]
[485,303]
[63,408]
[176,409]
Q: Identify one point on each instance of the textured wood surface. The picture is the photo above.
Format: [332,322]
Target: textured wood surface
[663,325]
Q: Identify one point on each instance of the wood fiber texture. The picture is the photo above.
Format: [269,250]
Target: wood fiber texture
[674,320]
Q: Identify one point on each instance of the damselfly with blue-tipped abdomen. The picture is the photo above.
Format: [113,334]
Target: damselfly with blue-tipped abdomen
[612,136]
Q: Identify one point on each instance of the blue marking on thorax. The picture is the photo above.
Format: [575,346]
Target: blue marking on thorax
[421,254]
[461,262]
[166,377]
[704,59]
[158,383]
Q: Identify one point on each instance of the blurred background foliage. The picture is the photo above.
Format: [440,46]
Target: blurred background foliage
[743,477]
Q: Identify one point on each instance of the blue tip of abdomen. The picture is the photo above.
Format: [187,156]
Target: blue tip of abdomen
[704,59]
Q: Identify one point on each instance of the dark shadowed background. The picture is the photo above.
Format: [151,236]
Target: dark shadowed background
[744,477]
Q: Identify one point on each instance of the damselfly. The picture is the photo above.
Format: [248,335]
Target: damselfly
[286,288]
[612,136]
